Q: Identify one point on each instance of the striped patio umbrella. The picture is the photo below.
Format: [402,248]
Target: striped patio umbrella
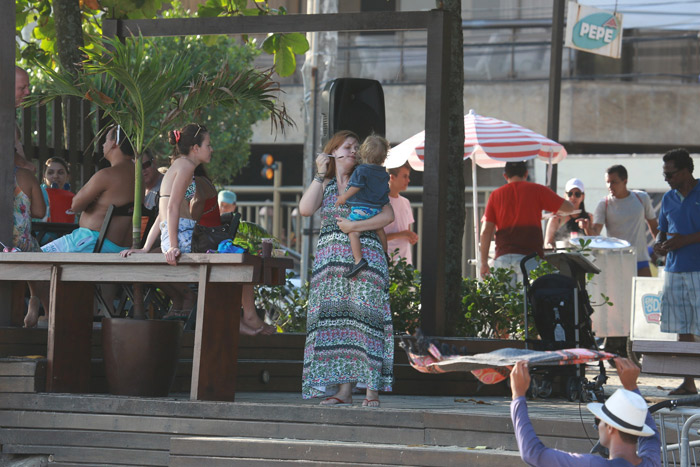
[491,142]
[488,142]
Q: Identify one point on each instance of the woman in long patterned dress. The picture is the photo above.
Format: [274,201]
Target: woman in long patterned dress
[349,337]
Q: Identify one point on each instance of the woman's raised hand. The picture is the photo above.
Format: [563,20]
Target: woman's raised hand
[322,161]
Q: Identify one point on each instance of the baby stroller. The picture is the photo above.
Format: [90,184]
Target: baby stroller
[559,306]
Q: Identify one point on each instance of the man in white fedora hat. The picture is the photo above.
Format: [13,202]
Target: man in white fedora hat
[624,425]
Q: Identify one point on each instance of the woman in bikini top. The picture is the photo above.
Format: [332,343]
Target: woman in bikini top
[174,223]
[189,192]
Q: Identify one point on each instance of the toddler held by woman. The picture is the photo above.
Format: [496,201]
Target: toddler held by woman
[367,193]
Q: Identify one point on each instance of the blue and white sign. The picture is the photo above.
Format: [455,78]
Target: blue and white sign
[592,30]
[646,310]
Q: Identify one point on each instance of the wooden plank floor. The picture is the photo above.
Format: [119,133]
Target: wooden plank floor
[275,425]
[112,430]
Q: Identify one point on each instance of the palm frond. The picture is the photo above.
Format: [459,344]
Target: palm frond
[139,90]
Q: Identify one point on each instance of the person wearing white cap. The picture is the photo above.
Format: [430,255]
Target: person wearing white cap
[624,425]
[562,228]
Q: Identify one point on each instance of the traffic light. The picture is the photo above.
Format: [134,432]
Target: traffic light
[269,166]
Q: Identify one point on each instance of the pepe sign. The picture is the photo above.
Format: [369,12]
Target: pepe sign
[595,31]
[592,30]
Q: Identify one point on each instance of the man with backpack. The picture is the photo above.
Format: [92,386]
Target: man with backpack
[625,215]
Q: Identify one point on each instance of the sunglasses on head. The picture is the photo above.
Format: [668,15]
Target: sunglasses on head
[577,194]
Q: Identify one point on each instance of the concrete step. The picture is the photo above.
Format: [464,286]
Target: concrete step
[238,451]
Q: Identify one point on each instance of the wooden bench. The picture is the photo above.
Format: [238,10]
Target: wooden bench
[669,358]
[72,276]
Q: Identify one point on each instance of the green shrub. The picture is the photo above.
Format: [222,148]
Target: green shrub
[404,295]
[285,305]
[492,307]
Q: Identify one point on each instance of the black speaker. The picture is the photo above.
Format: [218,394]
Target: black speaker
[353,104]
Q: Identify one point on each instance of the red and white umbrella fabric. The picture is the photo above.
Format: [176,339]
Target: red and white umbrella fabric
[488,142]
[406,152]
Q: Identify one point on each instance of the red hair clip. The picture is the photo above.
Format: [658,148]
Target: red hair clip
[177,135]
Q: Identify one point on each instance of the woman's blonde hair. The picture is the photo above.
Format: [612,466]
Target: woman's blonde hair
[374,150]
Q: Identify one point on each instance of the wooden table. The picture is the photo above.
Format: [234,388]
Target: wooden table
[72,277]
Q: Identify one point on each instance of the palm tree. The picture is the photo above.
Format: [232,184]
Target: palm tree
[136,88]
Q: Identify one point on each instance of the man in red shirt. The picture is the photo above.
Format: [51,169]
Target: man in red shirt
[514,213]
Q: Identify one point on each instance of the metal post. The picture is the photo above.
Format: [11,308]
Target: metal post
[579,368]
[475,220]
[555,61]
[527,333]
[7,129]
[685,443]
[277,203]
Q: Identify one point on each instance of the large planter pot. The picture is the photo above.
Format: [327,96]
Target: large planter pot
[140,356]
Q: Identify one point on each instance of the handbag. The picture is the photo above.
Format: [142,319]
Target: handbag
[208,238]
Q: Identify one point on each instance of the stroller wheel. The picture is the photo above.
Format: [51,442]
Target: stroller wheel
[586,395]
[532,391]
[573,388]
[545,388]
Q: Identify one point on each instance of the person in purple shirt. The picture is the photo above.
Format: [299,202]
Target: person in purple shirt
[624,425]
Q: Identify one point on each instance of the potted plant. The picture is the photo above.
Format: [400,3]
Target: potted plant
[140,91]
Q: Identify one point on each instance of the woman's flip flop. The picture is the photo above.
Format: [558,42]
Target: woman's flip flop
[338,402]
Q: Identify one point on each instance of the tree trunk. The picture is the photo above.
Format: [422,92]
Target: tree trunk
[69,32]
[69,38]
[455,170]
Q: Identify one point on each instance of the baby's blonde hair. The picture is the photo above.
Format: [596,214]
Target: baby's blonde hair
[374,150]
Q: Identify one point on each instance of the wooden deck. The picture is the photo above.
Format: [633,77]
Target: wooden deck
[271,425]
[428,420]
[276,429]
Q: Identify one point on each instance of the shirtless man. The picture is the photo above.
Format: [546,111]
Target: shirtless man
[111,185]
